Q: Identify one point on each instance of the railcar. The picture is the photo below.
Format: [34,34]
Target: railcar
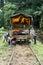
[20,24]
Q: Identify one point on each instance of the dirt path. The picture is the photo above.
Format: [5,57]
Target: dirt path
[5,54]
[23,56]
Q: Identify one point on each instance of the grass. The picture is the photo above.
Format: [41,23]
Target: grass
[2,44]
[39,49]
[2,47]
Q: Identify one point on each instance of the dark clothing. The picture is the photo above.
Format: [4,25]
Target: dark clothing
[9,42]
[34,39]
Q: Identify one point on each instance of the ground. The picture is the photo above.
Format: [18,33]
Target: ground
[39,50]
[6,50]
[23,56]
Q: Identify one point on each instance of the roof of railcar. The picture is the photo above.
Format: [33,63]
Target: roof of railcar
[22,14]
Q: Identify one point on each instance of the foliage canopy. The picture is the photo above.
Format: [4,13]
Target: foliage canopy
[11,7]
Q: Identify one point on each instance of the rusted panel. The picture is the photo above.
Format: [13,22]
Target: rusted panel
[21,19]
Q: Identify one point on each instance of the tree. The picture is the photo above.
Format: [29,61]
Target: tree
[2,3]
[41,22]
[12,7]
[9,9]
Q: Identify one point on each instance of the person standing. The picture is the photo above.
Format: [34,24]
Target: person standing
[33,35]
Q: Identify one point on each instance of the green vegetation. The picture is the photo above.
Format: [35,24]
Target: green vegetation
[39,49]
[2,44]
[11,7]
[4,47]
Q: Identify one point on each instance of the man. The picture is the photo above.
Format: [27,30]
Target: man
[33,34]
[6,36]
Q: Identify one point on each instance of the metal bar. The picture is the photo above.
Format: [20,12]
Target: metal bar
[35,55]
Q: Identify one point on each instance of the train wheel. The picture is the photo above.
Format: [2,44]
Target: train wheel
[28,41]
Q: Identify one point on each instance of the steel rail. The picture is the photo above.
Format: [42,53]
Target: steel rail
[35,55]
[9,63]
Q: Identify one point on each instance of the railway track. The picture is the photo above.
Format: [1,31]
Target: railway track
[23,55]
